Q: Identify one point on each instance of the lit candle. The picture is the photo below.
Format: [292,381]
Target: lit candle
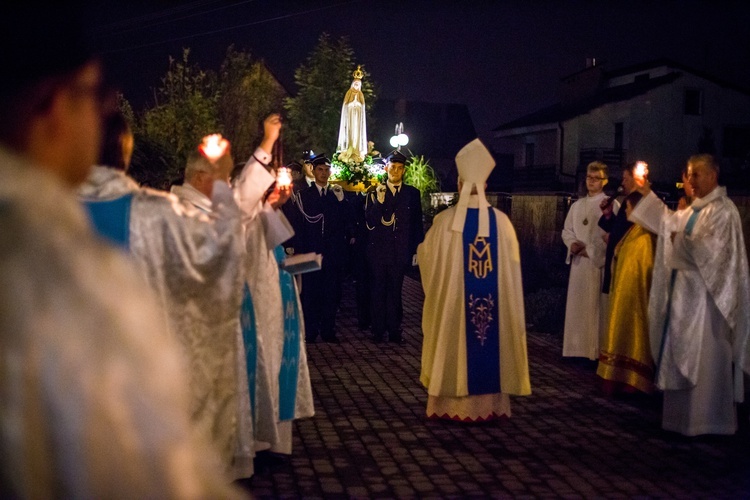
[213,146]
[283,177]
[641,170]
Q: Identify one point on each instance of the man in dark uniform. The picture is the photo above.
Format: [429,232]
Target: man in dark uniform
[394,219]
[298,176]
[307,171]
[359,267]
[322,224]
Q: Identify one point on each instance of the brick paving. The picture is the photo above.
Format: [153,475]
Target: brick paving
[370,438]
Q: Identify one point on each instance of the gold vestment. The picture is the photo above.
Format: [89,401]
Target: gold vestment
[625,355]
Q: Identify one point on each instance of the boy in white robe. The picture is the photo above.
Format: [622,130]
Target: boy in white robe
[586,252]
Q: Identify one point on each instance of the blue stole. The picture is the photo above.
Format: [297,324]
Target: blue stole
[249,338]
[290,357]
[688,230]
[481,305]
[111,219]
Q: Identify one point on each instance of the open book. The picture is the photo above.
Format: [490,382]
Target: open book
[302,263]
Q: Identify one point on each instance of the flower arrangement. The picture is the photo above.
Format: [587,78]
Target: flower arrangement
[346,168]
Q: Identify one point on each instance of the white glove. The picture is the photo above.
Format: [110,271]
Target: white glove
[380,191]
[338,191]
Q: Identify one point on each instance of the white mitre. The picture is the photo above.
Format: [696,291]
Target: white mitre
[475,163]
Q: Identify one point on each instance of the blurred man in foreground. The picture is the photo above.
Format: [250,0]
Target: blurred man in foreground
[93,389]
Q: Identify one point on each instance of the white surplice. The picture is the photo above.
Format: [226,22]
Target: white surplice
[242,464]
[194,264]
[582,332]
[700,322]
[95,399]
[188,194]
[260,221]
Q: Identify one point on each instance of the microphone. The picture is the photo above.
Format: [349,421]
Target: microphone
[619,191]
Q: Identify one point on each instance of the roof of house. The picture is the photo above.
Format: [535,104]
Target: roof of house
[558,112]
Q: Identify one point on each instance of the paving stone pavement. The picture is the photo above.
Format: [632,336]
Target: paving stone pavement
[369,437]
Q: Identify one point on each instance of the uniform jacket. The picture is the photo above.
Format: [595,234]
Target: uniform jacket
[395,225]
[321,224]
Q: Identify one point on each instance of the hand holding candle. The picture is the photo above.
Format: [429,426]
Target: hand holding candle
[279,195]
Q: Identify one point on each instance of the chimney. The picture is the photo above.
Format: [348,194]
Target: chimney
[583,84]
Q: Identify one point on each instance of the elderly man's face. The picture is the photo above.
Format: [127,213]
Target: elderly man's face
[702,178]
[686,186]
[395,172]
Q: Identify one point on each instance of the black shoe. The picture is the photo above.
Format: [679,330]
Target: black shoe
[396,340]
[377,339]
[309,340]
[331,340]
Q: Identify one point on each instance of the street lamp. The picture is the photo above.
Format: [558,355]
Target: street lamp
[399,138]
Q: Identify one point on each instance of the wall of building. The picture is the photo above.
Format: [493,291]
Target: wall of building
[655,126]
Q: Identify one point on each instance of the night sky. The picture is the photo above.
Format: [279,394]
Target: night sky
[502,59]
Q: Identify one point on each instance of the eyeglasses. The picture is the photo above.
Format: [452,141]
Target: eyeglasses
[594,178]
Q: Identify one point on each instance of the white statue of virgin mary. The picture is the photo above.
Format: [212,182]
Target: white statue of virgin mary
[352,145]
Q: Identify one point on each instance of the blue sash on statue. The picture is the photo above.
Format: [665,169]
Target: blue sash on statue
[249,338]
[111,219]
[290,357]
[481,306]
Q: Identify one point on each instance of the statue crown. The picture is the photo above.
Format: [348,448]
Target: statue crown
[358,74]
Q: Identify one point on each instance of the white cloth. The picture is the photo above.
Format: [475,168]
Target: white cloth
[262,273]
[708,319]
[193,263]
[475,164]
[188,194]
[582,331]
[244,448]
[440,258]
[94,390]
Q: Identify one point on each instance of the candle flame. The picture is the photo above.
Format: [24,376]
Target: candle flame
[641,169]
[283,177]
[213,146]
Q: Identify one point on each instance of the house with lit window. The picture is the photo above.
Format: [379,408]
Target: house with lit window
[660,112]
